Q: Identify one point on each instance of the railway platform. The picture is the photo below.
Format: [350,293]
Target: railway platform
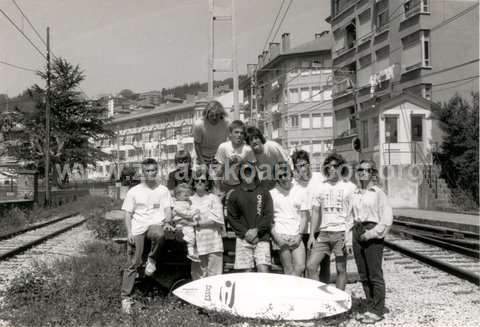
[461,221]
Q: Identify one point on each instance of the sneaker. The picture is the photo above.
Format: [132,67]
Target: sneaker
[127,306]
[371,318]
[193,257]
[150,267]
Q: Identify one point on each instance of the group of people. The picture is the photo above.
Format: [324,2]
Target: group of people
[270,200]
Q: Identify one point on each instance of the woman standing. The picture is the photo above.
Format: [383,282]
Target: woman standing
[288,223]
[372,219]
[208,229]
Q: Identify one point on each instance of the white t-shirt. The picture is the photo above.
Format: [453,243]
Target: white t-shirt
[227,153]
[335,201]
[286,212]
[210,136]
[303,193]
[147,205]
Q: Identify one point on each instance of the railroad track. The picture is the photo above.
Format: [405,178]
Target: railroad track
[13,244]
[452,251]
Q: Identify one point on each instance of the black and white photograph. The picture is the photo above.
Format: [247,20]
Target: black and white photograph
[241,163]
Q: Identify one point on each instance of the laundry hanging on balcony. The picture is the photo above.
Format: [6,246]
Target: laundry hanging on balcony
[382,76]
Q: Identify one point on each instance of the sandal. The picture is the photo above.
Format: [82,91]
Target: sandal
[370,318]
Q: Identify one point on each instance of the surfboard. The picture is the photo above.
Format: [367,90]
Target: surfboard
[266,296]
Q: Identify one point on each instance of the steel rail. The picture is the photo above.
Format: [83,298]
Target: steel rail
[39,240]
[442,244]
[35,226]
[444,266]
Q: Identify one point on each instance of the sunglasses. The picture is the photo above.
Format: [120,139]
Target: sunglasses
[368,170]
[302,165]
[333,166]
[182,161]
[283,176]
[197,181]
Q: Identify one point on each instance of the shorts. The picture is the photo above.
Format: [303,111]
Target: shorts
[328,242]
[289,239]
[247,255]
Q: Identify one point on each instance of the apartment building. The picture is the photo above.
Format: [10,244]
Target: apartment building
[383,49]
[289,92]
[156,133]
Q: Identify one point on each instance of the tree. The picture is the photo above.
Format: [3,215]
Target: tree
[459,151]
[128,94]
[74,122]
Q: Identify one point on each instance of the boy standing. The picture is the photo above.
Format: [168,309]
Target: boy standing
[333,198]
[231,153]
[147,209]
[249,210]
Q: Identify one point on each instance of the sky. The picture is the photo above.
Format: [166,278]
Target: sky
[142,45]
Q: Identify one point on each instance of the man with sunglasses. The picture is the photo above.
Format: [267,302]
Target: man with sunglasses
[332,218]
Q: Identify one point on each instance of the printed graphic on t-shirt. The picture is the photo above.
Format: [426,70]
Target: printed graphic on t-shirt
[332,202]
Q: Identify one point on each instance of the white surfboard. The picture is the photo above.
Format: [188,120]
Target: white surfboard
[266,296]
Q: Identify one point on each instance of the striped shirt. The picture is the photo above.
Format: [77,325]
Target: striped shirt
[209,239]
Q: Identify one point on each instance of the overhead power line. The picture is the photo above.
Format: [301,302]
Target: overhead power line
[19,67]
[24,35]
[273,25]
[29,22]
[283,18]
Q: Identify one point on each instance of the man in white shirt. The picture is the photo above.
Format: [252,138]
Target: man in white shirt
[147,209]
[230,154]
[333,198]
[267,153]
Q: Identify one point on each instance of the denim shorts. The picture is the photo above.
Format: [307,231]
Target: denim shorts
[328,242]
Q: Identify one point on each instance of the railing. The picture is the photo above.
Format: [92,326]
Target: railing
[414,149]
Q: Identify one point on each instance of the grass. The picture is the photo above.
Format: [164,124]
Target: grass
[85,291]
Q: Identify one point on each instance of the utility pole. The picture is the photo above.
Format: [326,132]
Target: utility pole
[211,18]
[47,125]
[236,108]
[219,14]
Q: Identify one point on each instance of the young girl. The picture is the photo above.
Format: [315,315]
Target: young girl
[372,219]
[288,223]
[209,228]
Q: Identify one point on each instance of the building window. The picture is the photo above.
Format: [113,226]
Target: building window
[327,120]
[382,18]
[365,134]
[294,121]
[316,121]
[316,94]
[305,121]
[316,148]
[146,137]
[363,74]
[391,129]
[364,24]
[427,91]
[305,95]
[425,6]
[293,96]
[417,131]
[426,48]
[375,131]
[412,52]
